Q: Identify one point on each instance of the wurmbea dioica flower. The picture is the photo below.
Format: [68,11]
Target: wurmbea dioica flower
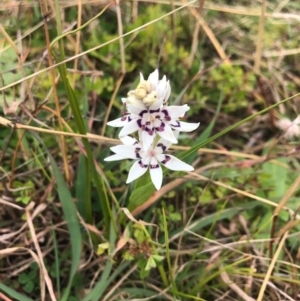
[291,128]
[157,125]
[150,158]
[148,113]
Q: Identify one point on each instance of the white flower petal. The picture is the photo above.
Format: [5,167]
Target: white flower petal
[163,144]
[133,100]
[147,139]
[114,158]
[291,128]
[161,87]
[140,134]
[153,78]
[156,175]
[159,156]
[297,120]
[184,126]
[135,172]
[127,140]
[166,144]
[176,134]
[173,163]
[145,157]
[176,111]
[129,128]
[284,123]
[156,105]
[153,161]
[126,151]
[167,92]
[136,109]
[167,134]
[118,122]
[141,77]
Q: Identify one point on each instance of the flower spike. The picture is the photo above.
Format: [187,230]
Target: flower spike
[157,125]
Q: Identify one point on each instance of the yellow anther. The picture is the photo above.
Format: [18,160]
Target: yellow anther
[140,92]
[150,99]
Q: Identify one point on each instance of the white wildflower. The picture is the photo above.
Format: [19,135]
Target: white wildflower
[291,128]
[149,158]
[157,119]
[157,125]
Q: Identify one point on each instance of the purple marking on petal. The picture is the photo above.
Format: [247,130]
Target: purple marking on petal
[167,117]
[143,112]
[150,131]
[123,118]
[167,159]
[163,147]
[161,128]
[142,165]
[154,111]
[137,153]
[177,125]
[164,111]
[153,166]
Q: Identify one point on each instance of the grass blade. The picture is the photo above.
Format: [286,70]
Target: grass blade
[11,292]
[90,166]
[71,218]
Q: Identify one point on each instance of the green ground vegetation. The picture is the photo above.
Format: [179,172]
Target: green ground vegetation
[71,229]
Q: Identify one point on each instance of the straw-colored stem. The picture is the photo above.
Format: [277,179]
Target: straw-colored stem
[259,45]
